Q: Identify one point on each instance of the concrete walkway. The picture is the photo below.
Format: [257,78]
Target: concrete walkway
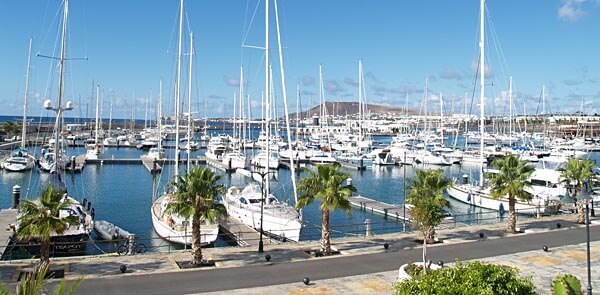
[542,266]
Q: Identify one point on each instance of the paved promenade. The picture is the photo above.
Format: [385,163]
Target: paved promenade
[363,266]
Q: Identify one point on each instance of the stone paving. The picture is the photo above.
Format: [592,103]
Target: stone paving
[541,266]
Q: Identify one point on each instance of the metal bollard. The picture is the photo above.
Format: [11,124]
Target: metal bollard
[131,241]
[367,227]
[16,196]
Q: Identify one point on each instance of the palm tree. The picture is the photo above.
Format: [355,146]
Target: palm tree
[40,218]
[426,195]
[511,181]
[326,184]
[11,128]
[194,197]
[576,173]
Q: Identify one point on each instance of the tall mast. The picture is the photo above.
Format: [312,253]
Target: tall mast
[360,108]
[442,117]
[61,80]
[267,95]
[510,110]
[97,114]
[24,129]
[159,117]
[285,104]
[189,126]
[243,123]
[177,88]
[482,86]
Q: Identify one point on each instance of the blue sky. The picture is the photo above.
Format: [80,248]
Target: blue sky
[132,44]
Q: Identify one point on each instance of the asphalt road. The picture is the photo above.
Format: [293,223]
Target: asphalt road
[221,279]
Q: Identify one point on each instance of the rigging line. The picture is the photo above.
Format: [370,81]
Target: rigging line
[245,34]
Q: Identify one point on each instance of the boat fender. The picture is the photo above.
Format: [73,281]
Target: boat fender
[84,202]
[93,213]
[89,206]
[501,209]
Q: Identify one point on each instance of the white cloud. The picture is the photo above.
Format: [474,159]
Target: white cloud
[572,10]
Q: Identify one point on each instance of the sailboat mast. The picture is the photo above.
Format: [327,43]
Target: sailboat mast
[61,78]
[97,113]
[482,86]
[267,97]
[285,103]
[24,129]
[189,126]
[360,111]
[160,98]
[510,111]
[178,88]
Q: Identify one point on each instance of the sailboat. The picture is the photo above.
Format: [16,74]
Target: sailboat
[20,159]
[95,148]
[173,227]
[235,158]
[479,195]
[74,239]
[254,205]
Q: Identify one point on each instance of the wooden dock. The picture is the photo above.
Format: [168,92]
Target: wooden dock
[196,161]
[7,217]
[244,235]
[219,165]
[385,209]
[151,164]
[76,163]
[394,211]
[353,166]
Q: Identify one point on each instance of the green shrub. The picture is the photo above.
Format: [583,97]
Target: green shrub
[566,285]
[472,278]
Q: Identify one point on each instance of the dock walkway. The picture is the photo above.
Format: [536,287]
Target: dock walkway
[244,235]
[394,211]
[7,217]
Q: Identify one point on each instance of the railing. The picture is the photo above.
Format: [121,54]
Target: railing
[311,232]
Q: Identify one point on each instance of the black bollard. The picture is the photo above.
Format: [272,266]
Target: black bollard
[123,268]
[386,246]
[268,257]
[306,281]
[481,235]
[16,196]
[558,225]
[545,248]
[441,263]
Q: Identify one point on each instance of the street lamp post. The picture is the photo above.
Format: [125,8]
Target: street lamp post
[262,204]
[585,195]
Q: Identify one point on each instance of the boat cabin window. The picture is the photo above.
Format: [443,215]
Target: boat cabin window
[271,200]
[254,201]
[243,201]
[539,182]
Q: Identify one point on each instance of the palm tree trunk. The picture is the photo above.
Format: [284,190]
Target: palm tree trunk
[196,242]
[581,211]
[512,216]
[325,232]
[44,253]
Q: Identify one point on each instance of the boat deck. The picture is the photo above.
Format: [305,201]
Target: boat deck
[7,216]
[218,164]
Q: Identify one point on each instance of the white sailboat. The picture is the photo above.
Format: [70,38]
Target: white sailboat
[477,194]
[20,159]
[256,206]
[173,227]
[95,148]
[74,239]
